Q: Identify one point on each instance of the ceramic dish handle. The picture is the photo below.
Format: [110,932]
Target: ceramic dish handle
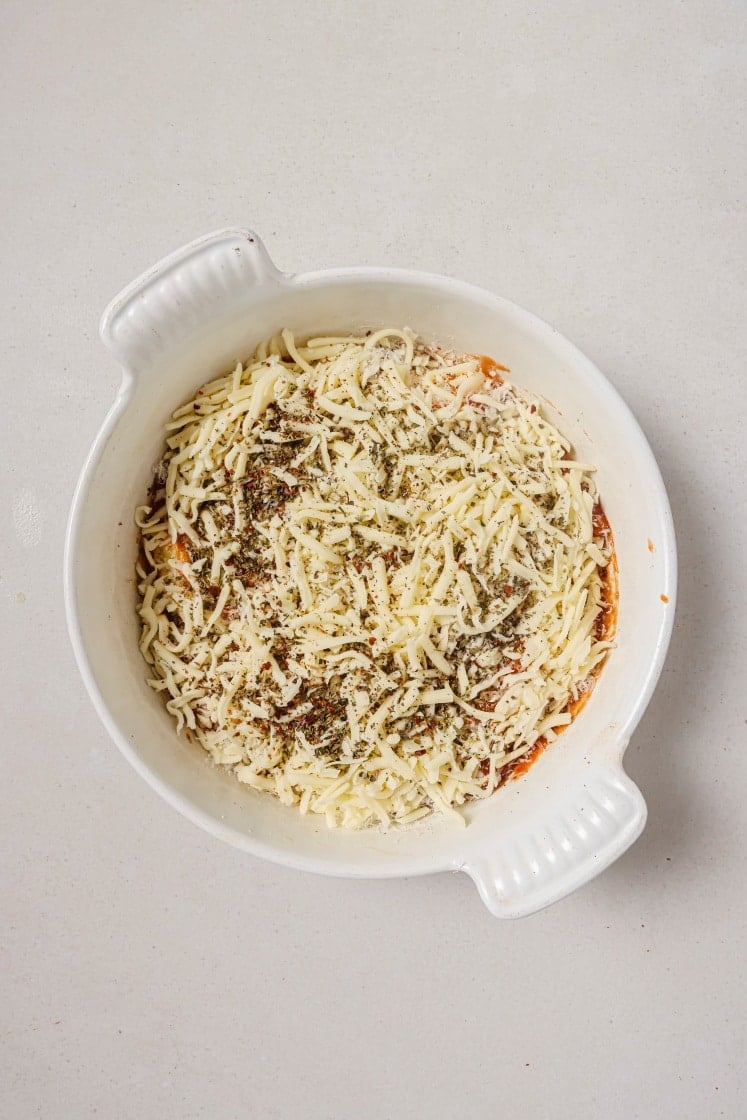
[183,293]
[542,862]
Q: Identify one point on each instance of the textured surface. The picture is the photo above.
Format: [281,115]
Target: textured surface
[537,864]
[587,161]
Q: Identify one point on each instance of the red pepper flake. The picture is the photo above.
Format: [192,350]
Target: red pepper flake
[508,589]
[372,641]
[265,667]
[664,598]
[214,589]
[533,408]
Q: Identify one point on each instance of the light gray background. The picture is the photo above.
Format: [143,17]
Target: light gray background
[585,159]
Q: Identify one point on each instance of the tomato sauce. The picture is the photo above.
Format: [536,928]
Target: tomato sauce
[606,626]
[489,368]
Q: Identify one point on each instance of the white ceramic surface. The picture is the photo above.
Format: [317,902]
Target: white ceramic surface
[190,317]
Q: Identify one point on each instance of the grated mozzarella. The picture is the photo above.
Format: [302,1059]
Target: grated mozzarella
[371,577]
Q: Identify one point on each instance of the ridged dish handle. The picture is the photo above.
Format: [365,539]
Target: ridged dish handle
[183,293]
[594,823]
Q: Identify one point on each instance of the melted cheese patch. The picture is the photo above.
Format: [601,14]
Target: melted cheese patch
[369,579]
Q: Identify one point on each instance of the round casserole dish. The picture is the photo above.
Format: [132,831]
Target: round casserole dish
[194,315]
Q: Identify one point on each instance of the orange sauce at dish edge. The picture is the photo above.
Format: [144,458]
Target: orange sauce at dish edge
[606,626]
[174,550]
[489,368]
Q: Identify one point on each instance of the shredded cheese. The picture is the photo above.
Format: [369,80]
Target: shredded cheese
[371,577]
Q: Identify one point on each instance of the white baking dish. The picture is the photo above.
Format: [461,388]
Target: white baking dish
[192,316]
